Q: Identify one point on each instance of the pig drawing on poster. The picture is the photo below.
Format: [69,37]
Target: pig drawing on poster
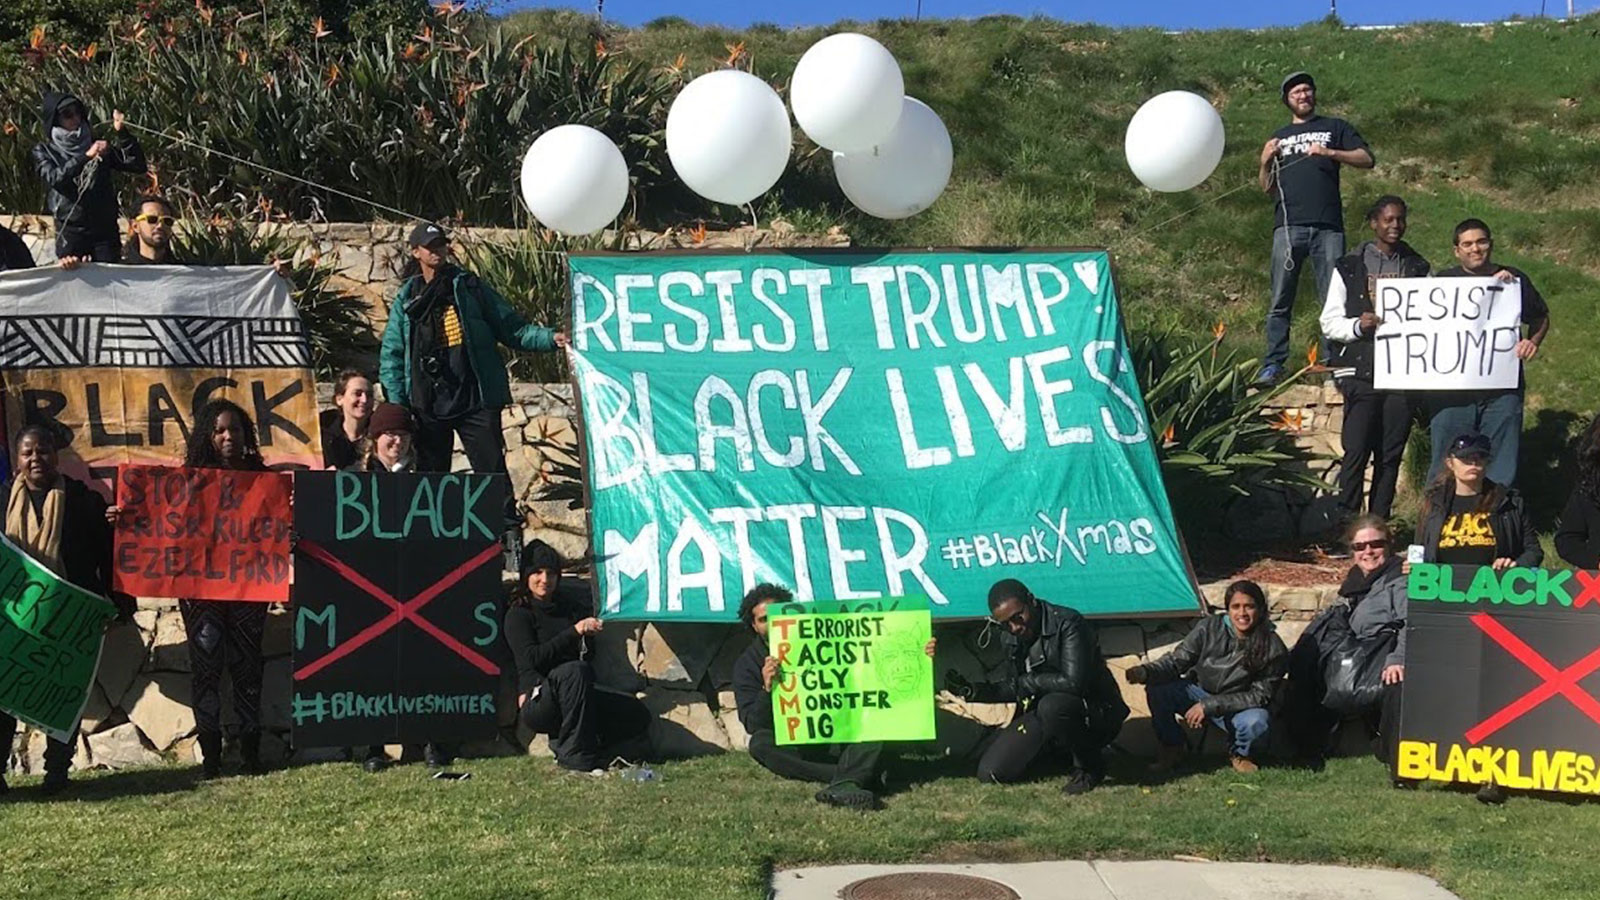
[1440,334]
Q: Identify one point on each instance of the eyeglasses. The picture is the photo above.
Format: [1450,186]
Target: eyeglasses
[153,219]
[1378,544]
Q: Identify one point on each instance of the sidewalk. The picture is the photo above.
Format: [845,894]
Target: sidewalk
[1156,880]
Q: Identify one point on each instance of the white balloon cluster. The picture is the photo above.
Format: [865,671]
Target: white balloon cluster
[729,139]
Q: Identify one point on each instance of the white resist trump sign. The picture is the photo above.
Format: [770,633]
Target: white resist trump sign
[1440,334]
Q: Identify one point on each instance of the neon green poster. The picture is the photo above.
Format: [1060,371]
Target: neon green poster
[850,677]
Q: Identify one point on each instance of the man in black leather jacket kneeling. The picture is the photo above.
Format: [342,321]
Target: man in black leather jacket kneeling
[1067,701]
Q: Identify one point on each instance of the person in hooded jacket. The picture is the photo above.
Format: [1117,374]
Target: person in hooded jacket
[1578,535]
[1227,670]
[76,165]
[1376,423]
[61,523]
[1068,703]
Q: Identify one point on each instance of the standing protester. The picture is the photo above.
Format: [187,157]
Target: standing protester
[76,168]
[1496,413]
[60,522]
[1578,535]
[549,632]
[1300,166]
[1067,702]
[224,632]
[344,427]
[1227,669]
[150,244]
[439,359]
[1376,422]
[849,771]
[389,447]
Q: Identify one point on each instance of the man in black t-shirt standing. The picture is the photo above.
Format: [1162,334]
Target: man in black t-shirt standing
[1496,413]
[1300,167]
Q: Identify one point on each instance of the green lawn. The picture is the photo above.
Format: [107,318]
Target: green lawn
[713,827]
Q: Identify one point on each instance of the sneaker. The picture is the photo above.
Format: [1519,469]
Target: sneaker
[849,795]
[374,764]
[1243,765]
[54,783]
[1167,759]
[1082,782]
[435,757]
[1269,374]
[1492,794]
[211,767]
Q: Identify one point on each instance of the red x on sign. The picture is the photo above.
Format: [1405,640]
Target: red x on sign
[1556,681]
[1590,582]
[398,612]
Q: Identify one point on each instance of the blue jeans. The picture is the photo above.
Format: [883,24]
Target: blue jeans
[1291,244]
[1495,414]
[1168,701]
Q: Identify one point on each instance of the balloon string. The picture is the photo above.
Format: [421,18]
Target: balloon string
[1278,169]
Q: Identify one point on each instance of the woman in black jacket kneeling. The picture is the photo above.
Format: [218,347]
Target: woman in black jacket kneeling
[549,631]
[1236,660]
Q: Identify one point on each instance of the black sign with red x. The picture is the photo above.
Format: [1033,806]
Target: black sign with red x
[1502,679]
[397,604]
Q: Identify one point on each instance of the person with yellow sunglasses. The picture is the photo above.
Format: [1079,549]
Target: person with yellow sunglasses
[151,241]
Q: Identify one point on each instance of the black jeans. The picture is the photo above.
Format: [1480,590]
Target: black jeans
[1376,424]
[1060,723]
[825,763]
[582,721]
[225,633]
[57,754]
[480,438]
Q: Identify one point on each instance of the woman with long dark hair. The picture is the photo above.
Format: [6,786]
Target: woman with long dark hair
[61,523]
[1468,520]
[225,633]
[1226,670]
[1578,535]
[345,426]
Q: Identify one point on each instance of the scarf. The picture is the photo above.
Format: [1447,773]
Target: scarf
[39,536]
[73,143]
[1357,584]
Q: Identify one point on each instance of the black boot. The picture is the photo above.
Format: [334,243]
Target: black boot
[211,754]
[250,753]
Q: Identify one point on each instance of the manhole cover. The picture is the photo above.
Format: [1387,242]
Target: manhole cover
[927,886]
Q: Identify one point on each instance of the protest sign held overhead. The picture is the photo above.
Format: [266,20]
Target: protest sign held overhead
[851,674]
[397,607]
[858,424]
[1501,673]
[1442,334]
[202,534]
[116,360]
[50,637]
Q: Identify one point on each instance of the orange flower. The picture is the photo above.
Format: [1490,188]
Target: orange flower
[698,233]
[319,28]
[600,49]
[332,76]
[155,180]
[1311,354]
[205,12]
[244,57]
[1219,329]
[736,53]
[446,8]
[426,36]
[411,53]
[10,128]
[269,81]
[1290,420]
[1168,435]
[90,51]
[36,38]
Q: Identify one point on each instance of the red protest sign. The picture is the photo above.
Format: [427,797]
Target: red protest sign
[203,534]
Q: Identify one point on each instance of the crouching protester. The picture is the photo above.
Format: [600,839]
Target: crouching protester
[549,632]
[850,771]
[1226,670]
[1365,625]
[1068,705]
[61,523]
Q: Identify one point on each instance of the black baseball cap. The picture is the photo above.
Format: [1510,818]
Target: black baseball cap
[1296,78]
[426,234]
[1471,446]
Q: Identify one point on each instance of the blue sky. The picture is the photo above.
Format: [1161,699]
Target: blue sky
[1161,13]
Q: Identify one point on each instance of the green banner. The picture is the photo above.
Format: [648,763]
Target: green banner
[50,637]
[850,677]
[1482,585]
[858,424]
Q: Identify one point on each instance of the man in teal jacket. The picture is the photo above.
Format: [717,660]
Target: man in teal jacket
[439,357]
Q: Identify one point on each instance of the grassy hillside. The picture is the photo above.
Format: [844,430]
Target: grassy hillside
[1499,122]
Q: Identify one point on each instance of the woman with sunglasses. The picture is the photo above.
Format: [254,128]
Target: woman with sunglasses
[151,241]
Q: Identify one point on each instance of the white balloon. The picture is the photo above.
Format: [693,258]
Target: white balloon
[906,173]
[574,179]
[1174,141]
[847,92]
[728,136]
